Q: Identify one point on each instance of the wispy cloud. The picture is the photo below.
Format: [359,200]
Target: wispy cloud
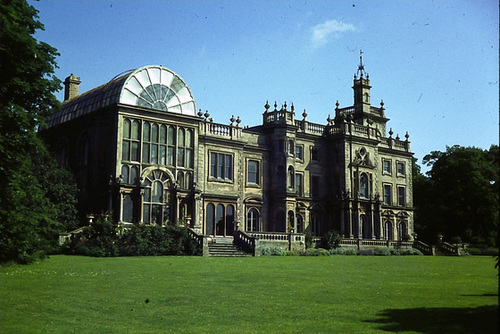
[328,31]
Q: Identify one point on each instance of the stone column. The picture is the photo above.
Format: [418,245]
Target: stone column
[372,222]
[122,196]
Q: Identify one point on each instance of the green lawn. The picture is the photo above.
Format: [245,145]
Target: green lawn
[335,294]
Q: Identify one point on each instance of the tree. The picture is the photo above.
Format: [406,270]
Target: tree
[459,197]
[27,87]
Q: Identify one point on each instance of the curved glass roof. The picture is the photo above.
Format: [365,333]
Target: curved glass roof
[152,87]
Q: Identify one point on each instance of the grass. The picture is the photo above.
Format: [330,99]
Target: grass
[335,294]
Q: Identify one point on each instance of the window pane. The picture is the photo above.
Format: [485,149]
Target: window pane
[163,152]
[125,150]
[134,171]
[125,174]
[213,164]
[145,153]
[163,134]
[253,172]
[147,195]
[228,173]
[145,131]
[135,151]
[189,158]
[220,164]
[146,219]
[154,153]
[126,128]
[180,157]
[170,155]
[180,138]
[135,130]
[170,135]
[189,138]
[154,133]
[157,192]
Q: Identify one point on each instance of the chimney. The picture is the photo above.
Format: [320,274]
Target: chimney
[71,87]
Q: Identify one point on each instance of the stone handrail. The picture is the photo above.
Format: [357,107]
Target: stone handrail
[223,130]
[200,239]
[449,248]
[247,242]
[424,248]
[359,243]
[270,235]
[316,128]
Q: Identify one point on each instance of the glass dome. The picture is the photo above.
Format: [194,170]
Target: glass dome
[153,87]
[158,88]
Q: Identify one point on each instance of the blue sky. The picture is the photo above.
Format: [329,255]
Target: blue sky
[434,63]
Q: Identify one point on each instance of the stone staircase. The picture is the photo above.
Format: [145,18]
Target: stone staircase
[224,247]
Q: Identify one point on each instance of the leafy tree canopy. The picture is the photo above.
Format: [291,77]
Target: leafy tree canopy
[36,196]
[459,195]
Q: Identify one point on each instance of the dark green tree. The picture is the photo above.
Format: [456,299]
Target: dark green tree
[459,197]
[28,217]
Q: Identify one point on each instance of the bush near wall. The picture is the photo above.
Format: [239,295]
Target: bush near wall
[103,239]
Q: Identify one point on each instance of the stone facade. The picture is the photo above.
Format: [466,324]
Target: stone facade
[139,148]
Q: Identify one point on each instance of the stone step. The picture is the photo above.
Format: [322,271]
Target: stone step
[228,250]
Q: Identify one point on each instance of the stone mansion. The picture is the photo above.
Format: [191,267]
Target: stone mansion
[139,147]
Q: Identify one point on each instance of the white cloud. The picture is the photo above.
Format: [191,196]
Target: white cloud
[328,31]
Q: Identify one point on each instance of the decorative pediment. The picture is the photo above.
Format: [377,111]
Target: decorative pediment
[362,158]
[403,214]
[388,213]
[253,200]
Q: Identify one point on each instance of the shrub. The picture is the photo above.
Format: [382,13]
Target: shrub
[331,240]
[316,252]
[382,251]
[410,251]
[272,250]
[294,252]
[103,238]
[343,251]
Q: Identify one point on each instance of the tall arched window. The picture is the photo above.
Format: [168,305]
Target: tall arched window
[219,220]
[300,223]
[180,148]
[229,220]
[388,230]
[210,219]
[402,230]
[253,220]
[363,186]
[156,207]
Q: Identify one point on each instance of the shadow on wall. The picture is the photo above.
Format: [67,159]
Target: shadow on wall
[482,319]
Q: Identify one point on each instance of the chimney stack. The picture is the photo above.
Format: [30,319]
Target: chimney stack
[71,87]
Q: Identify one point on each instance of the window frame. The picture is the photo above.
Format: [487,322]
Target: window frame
[384,187]
[389,164]
[219,168]
[257,173]
[299,152]
[401,196]
[403,164]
